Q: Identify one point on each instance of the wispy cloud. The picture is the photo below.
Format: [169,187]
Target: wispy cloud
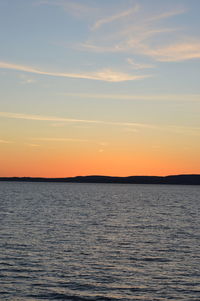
[32,145]
[64,139]
[180,51]
[130,130]
[26,80]
[139,66]
[115,17]
[90,46]
[137,36]
[149,97]
[71,120]
[168,14]
[42,118]
[52,139]
[129,35]
[5,141]
[132,39]
[186,130]
[107,75]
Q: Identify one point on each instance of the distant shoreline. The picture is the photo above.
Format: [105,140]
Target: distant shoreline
[172,179]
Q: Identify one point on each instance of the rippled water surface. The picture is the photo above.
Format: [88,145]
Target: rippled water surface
[99,242]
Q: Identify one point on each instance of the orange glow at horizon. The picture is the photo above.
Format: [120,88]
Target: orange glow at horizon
[34,162]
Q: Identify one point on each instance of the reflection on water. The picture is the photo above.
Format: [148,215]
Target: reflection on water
[99,242]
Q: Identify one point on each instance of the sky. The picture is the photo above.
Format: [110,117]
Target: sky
[107,87]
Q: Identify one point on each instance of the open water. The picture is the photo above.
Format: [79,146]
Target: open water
[99,242]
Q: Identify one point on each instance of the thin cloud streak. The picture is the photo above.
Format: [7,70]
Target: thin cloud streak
[112,18]
[60,139]
[5,141]
[32,145]
[132,40]
[185,130]
[157,97]
[55,139]
[168,14]
[107,75]
[169,128]
[71,120]
[139,66]
[176,52]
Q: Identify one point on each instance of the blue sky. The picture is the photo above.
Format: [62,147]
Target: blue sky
[132,64]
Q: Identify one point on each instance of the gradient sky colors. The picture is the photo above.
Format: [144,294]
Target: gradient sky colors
[106,87]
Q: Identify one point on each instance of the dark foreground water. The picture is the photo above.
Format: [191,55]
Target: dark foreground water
[99,242]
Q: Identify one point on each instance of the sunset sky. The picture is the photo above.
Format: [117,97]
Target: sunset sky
[108,87]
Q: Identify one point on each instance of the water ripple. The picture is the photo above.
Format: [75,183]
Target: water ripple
[99,242]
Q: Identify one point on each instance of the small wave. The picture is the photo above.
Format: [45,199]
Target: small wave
[156,259]
[150,259]
[60,296]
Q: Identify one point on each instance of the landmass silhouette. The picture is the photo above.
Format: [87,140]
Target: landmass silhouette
[185,179]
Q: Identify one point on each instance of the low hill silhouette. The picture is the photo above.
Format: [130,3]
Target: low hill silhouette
[171,179]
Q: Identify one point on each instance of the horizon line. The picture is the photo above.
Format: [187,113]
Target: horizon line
[100,175]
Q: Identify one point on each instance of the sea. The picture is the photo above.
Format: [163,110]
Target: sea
[65,241]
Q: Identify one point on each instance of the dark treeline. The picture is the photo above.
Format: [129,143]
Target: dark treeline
[173,179]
